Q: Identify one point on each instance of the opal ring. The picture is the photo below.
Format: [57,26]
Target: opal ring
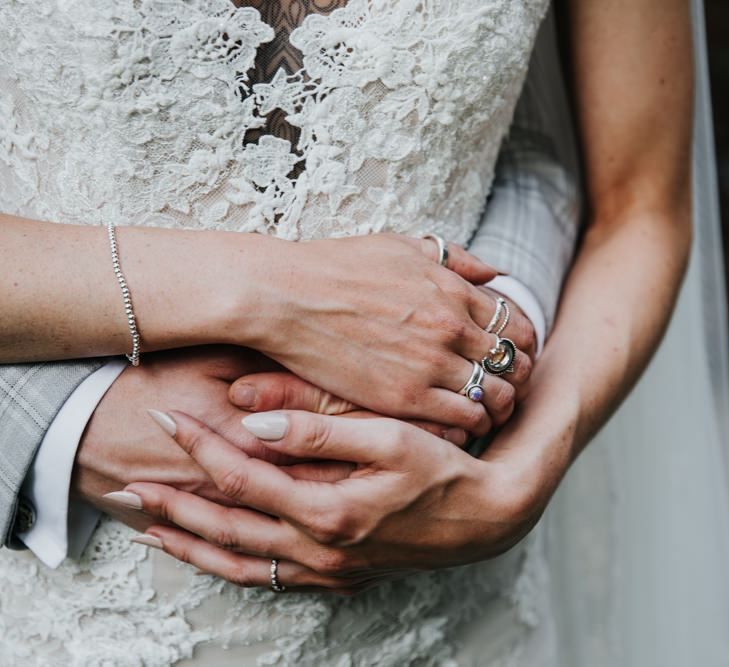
[276,587]
[442,248]
[473,389]
[500,358]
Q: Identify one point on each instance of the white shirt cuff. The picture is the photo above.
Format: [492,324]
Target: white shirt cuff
[62,526]
[523,297]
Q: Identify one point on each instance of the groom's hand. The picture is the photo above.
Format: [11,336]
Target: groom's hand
[121,444]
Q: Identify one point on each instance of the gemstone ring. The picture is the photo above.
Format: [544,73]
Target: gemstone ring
[473,389]
[500,358]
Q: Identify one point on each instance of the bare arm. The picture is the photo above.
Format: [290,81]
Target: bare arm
[404,354]
[634,86]
[428,504]
[59,298]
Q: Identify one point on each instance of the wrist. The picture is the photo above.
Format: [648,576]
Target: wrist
[248,294]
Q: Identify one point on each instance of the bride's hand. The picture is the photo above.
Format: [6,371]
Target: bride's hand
[376,321]
[413,501]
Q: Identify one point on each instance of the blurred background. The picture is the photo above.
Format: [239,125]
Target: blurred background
[717,25]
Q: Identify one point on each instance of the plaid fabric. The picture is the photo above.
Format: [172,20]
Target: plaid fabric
[30,397]
[531,221]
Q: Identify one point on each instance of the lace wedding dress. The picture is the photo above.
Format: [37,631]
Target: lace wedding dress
[321,120]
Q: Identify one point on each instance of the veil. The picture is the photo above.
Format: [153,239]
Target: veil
[637,538]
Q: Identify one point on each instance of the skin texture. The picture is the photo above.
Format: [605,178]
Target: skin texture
[404,356]
[414,502]
[121,443]
[218,385]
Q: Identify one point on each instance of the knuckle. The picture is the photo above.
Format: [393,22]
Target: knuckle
[319,434]
[502,397]
[447,326]
[332,562]
[241,576]
[164,508]
[396,436]
[405,400]
[234,482]
[523,369]
[474,417]
[164,504]
[182,553]
[438,363]
[456,288]
[222,536]
[522,332]
[324,530]
[196,441]
[334,528]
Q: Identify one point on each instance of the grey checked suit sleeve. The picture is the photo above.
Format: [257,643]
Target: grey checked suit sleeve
[532,219]
[30,397]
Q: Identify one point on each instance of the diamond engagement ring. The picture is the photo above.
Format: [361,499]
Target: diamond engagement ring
[473,389]
[276,587]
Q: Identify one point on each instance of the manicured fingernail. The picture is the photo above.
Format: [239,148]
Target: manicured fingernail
[267,425]
[244,395]
[167,424]
[148,541]
[456,435]
[125,498]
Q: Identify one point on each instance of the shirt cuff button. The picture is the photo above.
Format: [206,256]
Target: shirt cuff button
[25,517]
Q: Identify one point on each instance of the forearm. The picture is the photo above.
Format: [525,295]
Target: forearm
[634,101]
[617,302]
[59,298]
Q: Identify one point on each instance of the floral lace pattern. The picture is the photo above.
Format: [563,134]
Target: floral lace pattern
[139,110]
[142,111]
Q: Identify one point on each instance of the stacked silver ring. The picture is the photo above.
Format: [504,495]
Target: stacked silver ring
[473,389]
[276,587]
[502,355]
[501,307]
[442,248]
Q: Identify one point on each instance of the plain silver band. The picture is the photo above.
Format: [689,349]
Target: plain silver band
[442,248]
[276,587]
[475,380]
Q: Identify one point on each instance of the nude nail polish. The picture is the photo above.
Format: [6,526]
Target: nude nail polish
[125,498]
[148,541]
[166,423]
[267,425]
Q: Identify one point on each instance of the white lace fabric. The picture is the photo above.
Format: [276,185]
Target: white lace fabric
[142,111]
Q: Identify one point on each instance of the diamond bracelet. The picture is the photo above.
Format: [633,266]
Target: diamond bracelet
[126,296]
